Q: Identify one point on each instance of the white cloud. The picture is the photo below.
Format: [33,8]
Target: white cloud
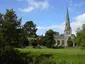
[29,9]
[51,27]
[58,28]
[32,4]
[38,4]
[76,23]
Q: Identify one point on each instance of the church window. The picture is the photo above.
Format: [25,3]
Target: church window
[62,42]
[58,42]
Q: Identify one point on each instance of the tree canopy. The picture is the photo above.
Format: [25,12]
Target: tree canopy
[49,38]
[30,29]
[80,36]
[9,32]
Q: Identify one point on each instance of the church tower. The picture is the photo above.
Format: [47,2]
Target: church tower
[67,31]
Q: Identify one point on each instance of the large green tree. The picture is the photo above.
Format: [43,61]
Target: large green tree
[80,36]
[49,38]
[11,36]
[10,30]
[30,29]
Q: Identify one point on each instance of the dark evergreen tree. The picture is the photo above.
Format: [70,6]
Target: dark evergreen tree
[11,36]
[11,32]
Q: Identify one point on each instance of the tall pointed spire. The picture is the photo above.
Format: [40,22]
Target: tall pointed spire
[67,17]
[67,30]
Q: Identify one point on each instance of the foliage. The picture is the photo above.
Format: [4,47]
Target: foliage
[58,47]
[42,59]
[80,36]
[56,33]
[61,56]
[11,36]
[11,56]
[30,29]
[10,30]
[34,43]
[49,38]
[40,40]
[26,42]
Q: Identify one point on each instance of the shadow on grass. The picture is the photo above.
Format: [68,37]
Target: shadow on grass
[14,56]
[41,59]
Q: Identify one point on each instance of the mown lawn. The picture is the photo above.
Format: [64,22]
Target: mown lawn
[67,55]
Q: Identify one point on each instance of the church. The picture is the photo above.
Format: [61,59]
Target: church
[65,40]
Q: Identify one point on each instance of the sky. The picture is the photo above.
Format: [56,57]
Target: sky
[48,14]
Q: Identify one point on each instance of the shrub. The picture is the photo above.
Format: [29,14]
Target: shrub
[11,56]
[58,47]
[43,59]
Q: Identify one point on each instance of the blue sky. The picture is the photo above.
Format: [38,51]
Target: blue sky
[48,14]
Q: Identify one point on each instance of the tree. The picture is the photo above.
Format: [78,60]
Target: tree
[80,36]
[10,33]
[49,38]
[57,33]
[10,37]
[30,29]
[40,40]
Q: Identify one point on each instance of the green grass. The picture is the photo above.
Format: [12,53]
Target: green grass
[67,55]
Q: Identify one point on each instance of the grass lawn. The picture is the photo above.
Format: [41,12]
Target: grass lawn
[68,55]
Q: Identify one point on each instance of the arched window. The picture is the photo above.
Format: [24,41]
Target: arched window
[70,42]
[62,42]
[58,42]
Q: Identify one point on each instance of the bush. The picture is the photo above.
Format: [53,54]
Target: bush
[58,47]
[43,59]
[11,56]
[40,46]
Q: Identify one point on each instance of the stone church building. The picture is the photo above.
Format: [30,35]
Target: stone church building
[65,40]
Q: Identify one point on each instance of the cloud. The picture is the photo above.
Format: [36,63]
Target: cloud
[76,23]
[29,9]
[58,28]
[51,27]
[32,4]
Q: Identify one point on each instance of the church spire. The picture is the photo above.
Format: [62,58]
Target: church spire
[67,30]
